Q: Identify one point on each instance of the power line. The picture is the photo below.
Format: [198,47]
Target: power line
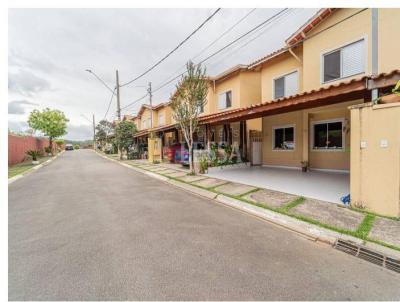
[226,46]
[262,32]
[109,104]
[213,54]
[172,51]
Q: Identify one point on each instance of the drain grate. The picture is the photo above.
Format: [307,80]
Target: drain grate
[368,255]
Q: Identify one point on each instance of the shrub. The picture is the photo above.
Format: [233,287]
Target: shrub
[34,154]
[203,161]
[59,142]
[47,150]
[214,154]
[76,146]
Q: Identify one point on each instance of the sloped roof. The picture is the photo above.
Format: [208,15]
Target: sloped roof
[297,36]
[311,23]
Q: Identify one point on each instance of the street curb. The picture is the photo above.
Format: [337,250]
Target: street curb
[19,176]
[310,231]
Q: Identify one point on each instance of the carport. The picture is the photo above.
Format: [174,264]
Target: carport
[321,185]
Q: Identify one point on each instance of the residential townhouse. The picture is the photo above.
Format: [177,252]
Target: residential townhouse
[338,61]
[298,101]
[235,88]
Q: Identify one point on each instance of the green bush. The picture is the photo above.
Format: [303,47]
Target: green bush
[47,150]
[203,161]
[76,146]
[59,142]
[34,154]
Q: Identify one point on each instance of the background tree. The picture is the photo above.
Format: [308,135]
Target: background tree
[188,102]
[124,132]
[52,123]
[103,131]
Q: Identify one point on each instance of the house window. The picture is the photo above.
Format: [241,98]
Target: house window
[283,138]
[225,100]
[328,135]
[286,85]
[344,62]
[161,119]
[201,108]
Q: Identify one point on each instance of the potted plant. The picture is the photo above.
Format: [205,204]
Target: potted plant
[34,154]
[48,150]
[304,166]
[394,97]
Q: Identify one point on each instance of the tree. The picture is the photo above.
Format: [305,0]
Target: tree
[188,102]
[103,131]
[52,123]
[124,132]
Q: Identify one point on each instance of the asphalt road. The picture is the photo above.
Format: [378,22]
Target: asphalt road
[85,228]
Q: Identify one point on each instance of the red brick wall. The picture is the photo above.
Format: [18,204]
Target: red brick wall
[18,145]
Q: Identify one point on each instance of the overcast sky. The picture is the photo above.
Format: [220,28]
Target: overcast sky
[49,50]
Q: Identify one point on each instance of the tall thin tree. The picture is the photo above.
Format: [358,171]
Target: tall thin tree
[188,102]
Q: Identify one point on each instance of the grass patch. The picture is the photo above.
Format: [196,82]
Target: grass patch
[23,167]
[293,204]
[249,192]
[366,225]
[378,215]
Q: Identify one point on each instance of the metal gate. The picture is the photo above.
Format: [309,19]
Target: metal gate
[255,147]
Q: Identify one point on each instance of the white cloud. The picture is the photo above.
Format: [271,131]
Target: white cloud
[19,107]
[49,50]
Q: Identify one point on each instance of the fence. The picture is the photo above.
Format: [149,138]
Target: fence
[18,145]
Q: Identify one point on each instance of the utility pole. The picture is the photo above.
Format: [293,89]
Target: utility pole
[118,102]
[151,105]
[94,134]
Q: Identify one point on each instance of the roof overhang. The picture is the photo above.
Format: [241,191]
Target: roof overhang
[342,92]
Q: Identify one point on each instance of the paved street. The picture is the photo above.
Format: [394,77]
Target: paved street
[85,228]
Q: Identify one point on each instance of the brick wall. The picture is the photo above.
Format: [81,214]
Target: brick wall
[18,145]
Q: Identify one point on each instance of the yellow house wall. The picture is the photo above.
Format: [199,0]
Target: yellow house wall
[350,30]
[336,160]
[145,115]
[389,44]
[375,170]
[250,88]
[302,121]
[282,158]
[232,84]
[276,68]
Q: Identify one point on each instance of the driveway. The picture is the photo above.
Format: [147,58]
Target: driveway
[321,185]
[85,228]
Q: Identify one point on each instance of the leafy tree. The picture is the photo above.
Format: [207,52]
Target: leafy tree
[124,132]
[188,102]
[103,131]
[51,123]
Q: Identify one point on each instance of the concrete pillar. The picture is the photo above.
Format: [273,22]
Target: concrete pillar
[305,137]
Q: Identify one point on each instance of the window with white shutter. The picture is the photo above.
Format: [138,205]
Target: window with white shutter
[286,85]
[344,62]
[161,119]
[225,100]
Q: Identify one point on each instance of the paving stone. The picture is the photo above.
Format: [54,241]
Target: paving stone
[155,168]
[234,189]
[191,178]
[159,169]
[386,230]
[167,172]
[273,199]
[177,174]
[329,213]
[210,182]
